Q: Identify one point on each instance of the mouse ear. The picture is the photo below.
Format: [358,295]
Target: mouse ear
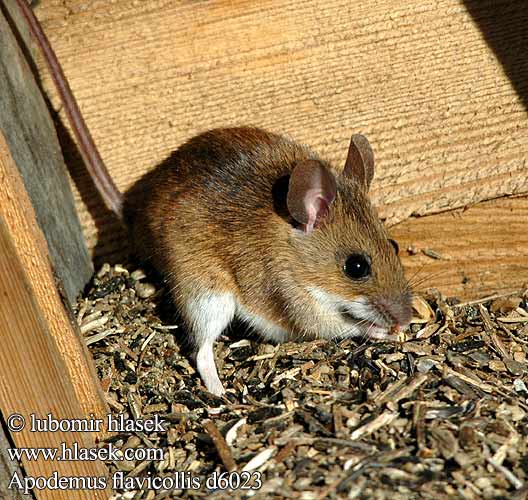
[360,160]
[311,190]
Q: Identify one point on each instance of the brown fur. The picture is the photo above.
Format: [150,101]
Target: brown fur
[207,220]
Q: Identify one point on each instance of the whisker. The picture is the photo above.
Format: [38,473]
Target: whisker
[417,272]
[423,279]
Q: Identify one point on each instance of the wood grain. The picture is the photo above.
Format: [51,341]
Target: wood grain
[30,133]
[34,378]
[418,78]
[18,214]
[484,249]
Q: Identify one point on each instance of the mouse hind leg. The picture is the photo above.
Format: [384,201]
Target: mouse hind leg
[207,315]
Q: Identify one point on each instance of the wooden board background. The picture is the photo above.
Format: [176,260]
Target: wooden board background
[438,86]
[483,249]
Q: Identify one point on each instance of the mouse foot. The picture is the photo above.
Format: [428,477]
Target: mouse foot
[209,314]
[205,363]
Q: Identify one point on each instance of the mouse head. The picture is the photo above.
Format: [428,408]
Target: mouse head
[349,264]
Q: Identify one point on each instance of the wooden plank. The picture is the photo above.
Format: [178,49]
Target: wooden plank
[34,380]
[447,126]
[484,249]
[30,133]
[19,215]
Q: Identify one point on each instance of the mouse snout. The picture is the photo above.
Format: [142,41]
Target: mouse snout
[396,311]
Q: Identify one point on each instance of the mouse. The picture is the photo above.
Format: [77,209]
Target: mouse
[247,224]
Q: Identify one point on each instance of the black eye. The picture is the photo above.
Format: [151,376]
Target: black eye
[395,245]
[357,266]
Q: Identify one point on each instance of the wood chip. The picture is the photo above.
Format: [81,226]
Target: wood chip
[221,446]
[260,459]
[98,336]
[401,389]
[89,326]
[422,310]
[232,433]
[516,482]
[481,385]
[514,319]
[433,254]
[380,421]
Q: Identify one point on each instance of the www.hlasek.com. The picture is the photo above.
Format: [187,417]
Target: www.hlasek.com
[118,481]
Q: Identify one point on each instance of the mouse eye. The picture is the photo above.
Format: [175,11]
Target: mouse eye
[357,266]
[395,245]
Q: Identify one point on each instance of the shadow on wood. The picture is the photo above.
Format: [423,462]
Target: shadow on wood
[504,24]
[107,225]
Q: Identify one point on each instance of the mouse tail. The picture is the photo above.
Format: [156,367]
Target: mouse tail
[104,183]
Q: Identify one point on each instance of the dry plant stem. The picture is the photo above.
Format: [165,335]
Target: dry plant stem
[221,446]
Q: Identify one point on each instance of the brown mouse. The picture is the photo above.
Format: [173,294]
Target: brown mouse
[245,223]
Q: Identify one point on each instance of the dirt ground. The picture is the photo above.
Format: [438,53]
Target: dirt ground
[442,414]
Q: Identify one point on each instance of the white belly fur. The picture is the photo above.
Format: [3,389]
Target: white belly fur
[268,330]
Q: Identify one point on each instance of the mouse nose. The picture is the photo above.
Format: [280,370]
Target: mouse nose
[396,310]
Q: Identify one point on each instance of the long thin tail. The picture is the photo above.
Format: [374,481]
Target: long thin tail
[90,154]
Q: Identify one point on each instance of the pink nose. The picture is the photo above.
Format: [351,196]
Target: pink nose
[396,310]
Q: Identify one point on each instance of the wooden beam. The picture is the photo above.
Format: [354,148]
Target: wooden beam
[483,250]
[35,380]
[19,216]
[30,133]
